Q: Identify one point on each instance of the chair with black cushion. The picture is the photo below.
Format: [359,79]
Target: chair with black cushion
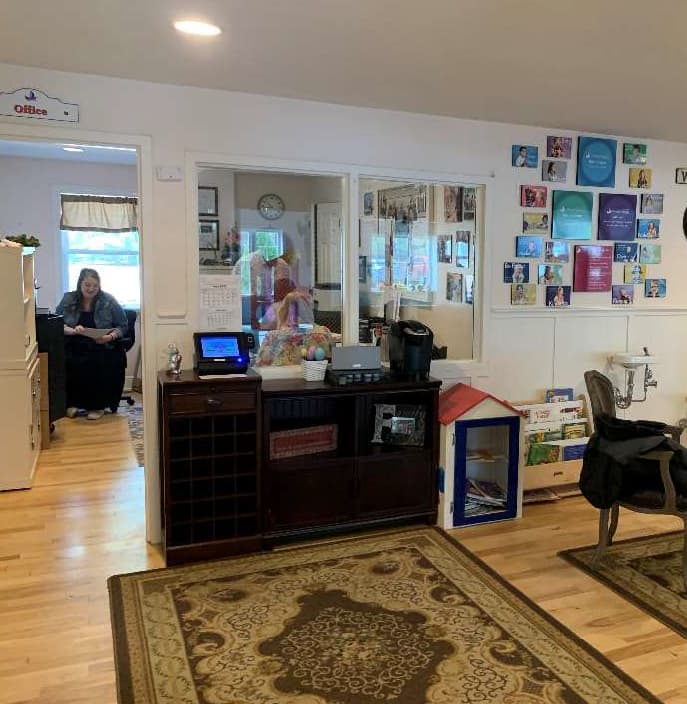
[128,342]
[661,497]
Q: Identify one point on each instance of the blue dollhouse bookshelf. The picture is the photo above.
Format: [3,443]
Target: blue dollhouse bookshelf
[479,458]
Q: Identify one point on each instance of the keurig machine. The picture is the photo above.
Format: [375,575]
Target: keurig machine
[410,349]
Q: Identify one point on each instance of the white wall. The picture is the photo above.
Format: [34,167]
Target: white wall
[30,202]
[521,349]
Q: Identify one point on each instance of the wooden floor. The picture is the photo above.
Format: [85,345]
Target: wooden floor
[83,521]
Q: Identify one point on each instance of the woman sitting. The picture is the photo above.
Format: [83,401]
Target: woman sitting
[94,365]
[283,345]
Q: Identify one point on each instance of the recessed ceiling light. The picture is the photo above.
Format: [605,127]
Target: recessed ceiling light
[203,29]
[72,149]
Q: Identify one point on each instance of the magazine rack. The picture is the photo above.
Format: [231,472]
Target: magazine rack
[559,477]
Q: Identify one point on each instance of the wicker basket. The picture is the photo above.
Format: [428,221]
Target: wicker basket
[314,370]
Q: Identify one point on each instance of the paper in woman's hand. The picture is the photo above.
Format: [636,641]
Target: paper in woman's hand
[95,333]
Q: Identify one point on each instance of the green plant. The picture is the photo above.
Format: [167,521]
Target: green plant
[24,239]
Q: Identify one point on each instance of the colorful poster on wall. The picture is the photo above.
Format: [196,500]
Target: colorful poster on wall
[596,162]
[593,267]
[617,215]
[572,215]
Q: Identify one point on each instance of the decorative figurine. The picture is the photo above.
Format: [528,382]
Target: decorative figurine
[174,358]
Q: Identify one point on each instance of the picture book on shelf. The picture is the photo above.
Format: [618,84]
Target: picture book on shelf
[575,429]
[543,453]
[553,395]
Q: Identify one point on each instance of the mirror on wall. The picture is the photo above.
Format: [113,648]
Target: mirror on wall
[420,246]
[278,235]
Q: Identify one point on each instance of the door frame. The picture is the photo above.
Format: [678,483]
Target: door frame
[143,145]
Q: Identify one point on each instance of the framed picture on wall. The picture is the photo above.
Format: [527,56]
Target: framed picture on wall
[208,234]
[207,200]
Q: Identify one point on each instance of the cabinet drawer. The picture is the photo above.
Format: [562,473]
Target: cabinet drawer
[545,475]
[220,402]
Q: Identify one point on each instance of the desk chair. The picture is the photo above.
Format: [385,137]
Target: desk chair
[666,501]
[127,343]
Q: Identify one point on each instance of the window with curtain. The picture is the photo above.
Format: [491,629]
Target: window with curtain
[101,232]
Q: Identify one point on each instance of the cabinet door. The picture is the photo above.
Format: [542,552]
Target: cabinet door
[396,484]
[315,493]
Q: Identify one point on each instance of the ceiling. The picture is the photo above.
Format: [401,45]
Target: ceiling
[615,66]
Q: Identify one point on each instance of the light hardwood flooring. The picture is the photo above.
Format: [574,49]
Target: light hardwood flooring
[83,521]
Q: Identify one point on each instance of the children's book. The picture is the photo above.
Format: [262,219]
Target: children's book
[543,453]
[576,429]
[486,492]
[553,395]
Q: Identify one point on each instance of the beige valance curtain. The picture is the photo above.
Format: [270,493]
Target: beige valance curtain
[99,213]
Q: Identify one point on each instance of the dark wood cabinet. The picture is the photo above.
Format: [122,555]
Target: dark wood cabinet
[359,483]
[209,446]
[224,490]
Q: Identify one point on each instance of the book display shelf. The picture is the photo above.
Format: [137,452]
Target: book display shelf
[248,463]
[555,436]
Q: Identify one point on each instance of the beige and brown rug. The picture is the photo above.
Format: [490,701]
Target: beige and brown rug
[646,571]
[408,617]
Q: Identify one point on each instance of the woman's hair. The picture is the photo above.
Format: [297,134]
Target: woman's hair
[86,274]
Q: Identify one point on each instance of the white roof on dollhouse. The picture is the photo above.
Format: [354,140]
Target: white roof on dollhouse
[463,402]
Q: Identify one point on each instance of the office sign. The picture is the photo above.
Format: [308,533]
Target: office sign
[37,105]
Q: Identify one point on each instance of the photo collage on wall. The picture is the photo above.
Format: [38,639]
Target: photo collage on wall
[563,249]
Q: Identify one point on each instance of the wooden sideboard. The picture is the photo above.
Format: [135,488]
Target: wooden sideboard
[224,491]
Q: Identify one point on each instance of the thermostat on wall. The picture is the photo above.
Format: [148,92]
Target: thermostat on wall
[168,173]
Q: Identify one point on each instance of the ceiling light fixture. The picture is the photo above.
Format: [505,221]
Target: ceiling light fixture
[72,149]
[202,29]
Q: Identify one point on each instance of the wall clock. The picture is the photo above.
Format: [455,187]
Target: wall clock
[271,206]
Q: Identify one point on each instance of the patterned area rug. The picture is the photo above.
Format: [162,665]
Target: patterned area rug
[409,617]
[134,417]
[646,571]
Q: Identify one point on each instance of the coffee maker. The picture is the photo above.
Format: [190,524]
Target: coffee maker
[410,349]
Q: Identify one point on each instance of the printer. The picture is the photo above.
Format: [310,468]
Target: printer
[410,349]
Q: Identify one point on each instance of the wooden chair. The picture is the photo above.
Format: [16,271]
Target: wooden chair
[666,501]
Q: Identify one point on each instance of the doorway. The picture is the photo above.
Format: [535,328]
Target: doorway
[35,175]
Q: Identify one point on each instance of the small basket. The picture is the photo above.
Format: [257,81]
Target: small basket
[314,370]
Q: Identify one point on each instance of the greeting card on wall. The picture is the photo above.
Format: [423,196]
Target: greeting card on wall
[524,156]
[516,272]
[523,294]
[572,215]
[640,178]
[559,147]
[533,196]
[558,252]
[558,296]
[550,273]
[650,254]
[634,153]
[617,214]
[652,203]
[593,267]
[535,223]
[634,273]
[648,229]
[529,246]
[596,162]
[554,170]
[655,288]
[625,252]
[622,294]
